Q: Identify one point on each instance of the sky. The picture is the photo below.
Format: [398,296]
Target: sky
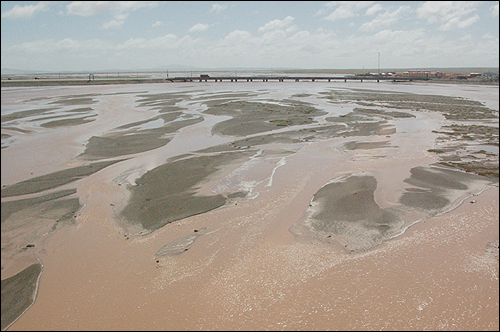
[79,36]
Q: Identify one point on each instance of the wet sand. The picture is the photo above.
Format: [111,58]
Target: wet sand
[252,206]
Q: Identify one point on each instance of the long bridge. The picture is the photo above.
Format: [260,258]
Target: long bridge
[26,81]
[206,78]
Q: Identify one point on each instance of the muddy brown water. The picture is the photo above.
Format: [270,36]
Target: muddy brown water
[245,267]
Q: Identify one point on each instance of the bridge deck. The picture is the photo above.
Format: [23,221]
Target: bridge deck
[291,78]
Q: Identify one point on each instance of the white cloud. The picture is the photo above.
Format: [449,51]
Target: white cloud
[274,42]
[340,13]
[25,12]
[88,8]
[346,9]
[451,14]
[355,4]
[134,5]
[291,29]
[494,10]
[374,9]
[236,37]
[273,37]
[217,8]
[301,37]
[466,38]
[320,12]
[199,27]
[277,24]
[455,23]
[384,19]
[116,22]
[119,9]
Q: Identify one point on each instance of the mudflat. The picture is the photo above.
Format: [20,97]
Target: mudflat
[250,206]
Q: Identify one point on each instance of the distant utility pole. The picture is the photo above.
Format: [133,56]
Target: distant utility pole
[379,63]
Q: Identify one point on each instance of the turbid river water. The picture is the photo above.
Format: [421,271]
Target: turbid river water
[250,205]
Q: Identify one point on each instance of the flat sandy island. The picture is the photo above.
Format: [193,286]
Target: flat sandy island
[250,206]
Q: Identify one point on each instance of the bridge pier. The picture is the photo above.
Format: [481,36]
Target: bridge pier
[296,80]
[328,80]
[345,80]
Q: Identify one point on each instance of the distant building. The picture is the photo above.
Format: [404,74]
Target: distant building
[420,74]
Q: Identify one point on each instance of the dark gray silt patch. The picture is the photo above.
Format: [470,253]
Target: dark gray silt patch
[18,293]
[349,206]
[168,193]
[434,188]
[345,210]
[49,202]
[53,180]
[116,144]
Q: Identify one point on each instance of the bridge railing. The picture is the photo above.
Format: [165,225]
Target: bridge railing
[293,78]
